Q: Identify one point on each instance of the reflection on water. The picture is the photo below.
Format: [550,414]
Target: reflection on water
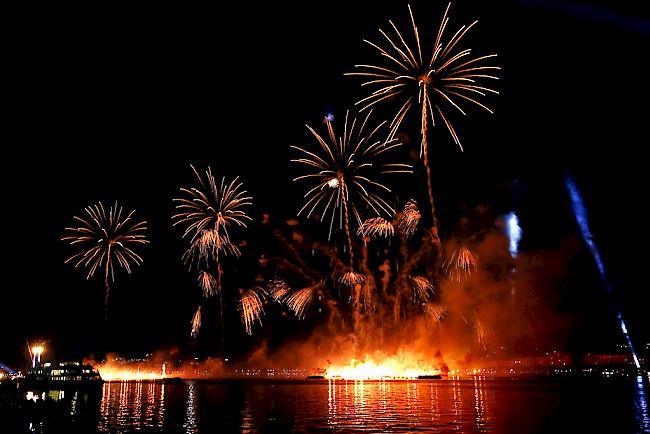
[135,405]
[475,405]
[409,406]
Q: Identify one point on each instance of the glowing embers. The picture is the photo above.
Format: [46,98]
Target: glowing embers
[398,367]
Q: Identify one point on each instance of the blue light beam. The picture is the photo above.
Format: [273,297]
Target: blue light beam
[580,212]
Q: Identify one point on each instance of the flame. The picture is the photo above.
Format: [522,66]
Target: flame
[111,372]
[402,366]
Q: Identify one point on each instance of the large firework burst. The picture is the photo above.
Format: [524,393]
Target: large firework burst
[345,171]
[432,85]
[106,239]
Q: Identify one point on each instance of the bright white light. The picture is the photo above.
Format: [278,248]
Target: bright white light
[514,233]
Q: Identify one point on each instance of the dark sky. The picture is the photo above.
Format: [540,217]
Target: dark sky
[113,103]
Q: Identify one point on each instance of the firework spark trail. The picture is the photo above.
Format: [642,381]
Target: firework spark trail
[207,247]
[208,284]
[422,288]
[408,219]
[300,300]
[252,307]
[376,227]
[450,77]
[460,263]
[196,322]
[580,213]
[435,311]
[105,238]
[278,290]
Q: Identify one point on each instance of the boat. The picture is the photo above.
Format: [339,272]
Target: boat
[316,377]
[62,373]
[430,377]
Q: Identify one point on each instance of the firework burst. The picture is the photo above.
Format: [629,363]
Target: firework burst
[421,287]
[196,323]
[351,278]
[207,246]
[447,79]
[209,210]
[208,283]
[460,263]
[278,290]
[345,171]
[435,311]
[376,227]
[252,307]
[300,300]
[408,220]
[106,239]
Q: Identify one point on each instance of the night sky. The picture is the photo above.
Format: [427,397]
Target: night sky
[108,103]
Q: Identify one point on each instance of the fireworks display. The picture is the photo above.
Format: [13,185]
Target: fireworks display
[431,85]
[408,219]
[435,84]
[460,263]
[196,322]
[209,210]
[422,288]
[345,171]
[376,227]
[252,307]
[106,239]
[208,283]
[300,300]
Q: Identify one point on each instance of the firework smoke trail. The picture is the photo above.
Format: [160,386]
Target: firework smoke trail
[580,213]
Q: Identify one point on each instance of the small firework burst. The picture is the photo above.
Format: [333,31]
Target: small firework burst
[460,263]
[252,307]
[408,220]
[208,283]
[207,246]
[422,288]
[300,300]
[196,322]
[278,290]
[351,278]
[376,227]
[434,311]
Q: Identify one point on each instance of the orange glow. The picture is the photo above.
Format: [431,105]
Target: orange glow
[38,350]
[110,372]
[402,366]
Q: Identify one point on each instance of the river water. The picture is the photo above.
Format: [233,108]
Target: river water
[473,405]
